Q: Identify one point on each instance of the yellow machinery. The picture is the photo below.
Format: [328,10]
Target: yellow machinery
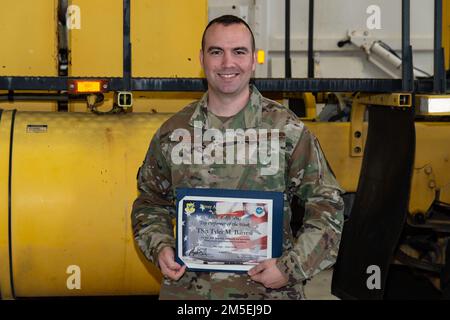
[67,199]
[67,185]
[165,36]
[68,180]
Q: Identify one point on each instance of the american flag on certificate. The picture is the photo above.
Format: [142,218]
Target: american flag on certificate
[253,215]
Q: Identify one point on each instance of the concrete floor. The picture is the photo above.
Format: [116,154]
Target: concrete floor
[319,288]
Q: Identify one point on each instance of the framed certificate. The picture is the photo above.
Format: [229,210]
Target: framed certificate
[227,230]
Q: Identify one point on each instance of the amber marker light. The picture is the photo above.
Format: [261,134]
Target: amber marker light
[261,56]
[87,86]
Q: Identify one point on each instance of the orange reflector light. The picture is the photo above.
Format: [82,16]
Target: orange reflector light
[87,86]
[261,56]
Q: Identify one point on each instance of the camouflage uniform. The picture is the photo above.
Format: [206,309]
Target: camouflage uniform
[303,171]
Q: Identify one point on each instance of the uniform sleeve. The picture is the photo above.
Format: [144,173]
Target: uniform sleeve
[153,210]
[317,242]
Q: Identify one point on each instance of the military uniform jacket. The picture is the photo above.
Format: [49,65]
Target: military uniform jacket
[302,171]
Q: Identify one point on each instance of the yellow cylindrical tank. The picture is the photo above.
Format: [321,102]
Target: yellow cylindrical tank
[67,184]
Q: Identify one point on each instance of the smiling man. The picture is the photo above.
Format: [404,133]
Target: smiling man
[228,59]
[233,105]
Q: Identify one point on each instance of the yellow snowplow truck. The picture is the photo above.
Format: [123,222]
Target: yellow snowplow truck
[84,85]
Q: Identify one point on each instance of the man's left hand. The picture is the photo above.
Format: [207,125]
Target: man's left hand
[268,274]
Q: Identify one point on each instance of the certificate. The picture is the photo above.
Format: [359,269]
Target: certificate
[228,230]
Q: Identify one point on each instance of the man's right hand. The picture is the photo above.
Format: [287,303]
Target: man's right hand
[168,266]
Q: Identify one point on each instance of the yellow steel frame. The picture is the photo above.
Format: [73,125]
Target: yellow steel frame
[357,138]
[401,100]
[431,173]
[356,122]
[310,103]
[431,164]
[165,37]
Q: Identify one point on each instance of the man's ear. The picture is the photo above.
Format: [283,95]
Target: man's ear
[254,61]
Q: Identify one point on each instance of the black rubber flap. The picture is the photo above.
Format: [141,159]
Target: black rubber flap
[378,215]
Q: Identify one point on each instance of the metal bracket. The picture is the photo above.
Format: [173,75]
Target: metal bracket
[400,100]
[124,99]
[356,128]
[361,101]
[310,105]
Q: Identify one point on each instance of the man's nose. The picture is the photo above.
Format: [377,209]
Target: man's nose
[227,60]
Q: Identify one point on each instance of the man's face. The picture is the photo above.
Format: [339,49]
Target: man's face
[227,58]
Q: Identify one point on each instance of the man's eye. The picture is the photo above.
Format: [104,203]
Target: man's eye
[215,52]
[240,52]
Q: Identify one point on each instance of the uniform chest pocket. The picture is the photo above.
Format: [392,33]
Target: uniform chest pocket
[267,169]
[253,159]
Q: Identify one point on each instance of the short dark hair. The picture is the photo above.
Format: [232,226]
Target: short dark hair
[227,20]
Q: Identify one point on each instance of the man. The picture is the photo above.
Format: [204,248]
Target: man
[228,59]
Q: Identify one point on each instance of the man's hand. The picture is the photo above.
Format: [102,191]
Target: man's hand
[168,266]
[268,274]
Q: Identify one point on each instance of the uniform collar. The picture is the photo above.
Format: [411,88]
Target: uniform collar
[252,111]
